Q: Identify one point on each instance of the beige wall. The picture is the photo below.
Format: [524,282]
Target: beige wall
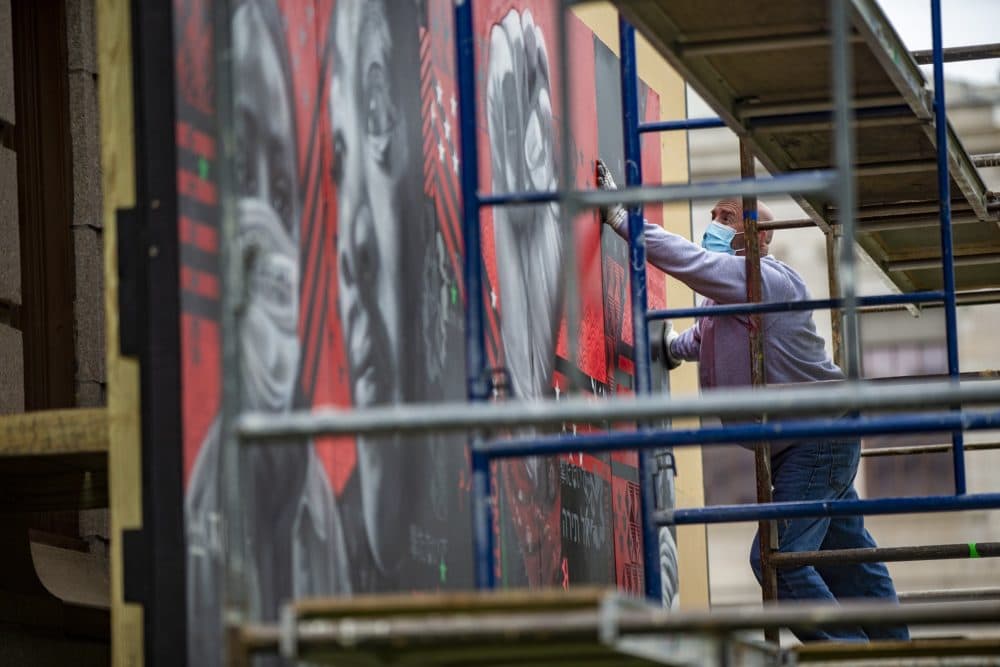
[691,540]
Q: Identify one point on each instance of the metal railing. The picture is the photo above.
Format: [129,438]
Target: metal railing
[479,418]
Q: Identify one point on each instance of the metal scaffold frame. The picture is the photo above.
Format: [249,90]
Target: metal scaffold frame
[951,398]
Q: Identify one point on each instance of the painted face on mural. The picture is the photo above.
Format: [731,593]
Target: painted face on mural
[375,168]
[268,211]
[382,233]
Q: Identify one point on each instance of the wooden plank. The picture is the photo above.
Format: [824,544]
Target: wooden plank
[427,603]
[821,651]
[114,53]
[54,432]
[540,627]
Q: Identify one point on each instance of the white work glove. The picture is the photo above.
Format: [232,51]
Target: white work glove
[669,336]
[615,215]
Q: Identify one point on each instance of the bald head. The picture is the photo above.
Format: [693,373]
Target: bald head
[730,213]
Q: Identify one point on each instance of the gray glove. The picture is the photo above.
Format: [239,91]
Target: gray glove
[668,337]
[612,215]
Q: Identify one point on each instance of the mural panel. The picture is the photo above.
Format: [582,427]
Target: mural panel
[346,197]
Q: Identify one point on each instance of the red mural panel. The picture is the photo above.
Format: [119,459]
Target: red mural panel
[347,211]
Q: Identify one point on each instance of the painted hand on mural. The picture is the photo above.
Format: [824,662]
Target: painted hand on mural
[529,259]
[528,241]
[374,107]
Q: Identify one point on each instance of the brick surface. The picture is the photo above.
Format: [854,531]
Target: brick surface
[10,246]
[11,371]
[6,65]
[88,308]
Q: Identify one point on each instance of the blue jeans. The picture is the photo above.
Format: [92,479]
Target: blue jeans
[825,471]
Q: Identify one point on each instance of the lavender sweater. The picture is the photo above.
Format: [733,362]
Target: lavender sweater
[793,351]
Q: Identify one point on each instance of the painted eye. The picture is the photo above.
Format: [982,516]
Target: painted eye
[382,112]
[244,165]
[281,195]
[339,155]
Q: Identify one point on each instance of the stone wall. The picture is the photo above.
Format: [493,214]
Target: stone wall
[87,214]
[11,358]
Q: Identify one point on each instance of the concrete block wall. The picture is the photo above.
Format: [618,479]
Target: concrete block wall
[6,65]
[87,212]
[11,357]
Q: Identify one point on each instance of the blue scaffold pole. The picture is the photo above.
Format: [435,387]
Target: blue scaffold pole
[821,508]
[475,357]
[947,253]
[680,125]
[637,287]
[846,428]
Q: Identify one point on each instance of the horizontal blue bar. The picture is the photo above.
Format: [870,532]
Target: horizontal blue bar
[801,429]
[519,198]
[685,124]
[783,307]
[818,508]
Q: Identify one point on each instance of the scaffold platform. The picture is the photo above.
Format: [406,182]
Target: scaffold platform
[765,68]
[582,626]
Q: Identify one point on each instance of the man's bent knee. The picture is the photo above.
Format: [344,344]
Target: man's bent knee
[755,561]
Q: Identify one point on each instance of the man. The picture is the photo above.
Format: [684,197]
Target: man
[794,352]
[402,328]
[293,544]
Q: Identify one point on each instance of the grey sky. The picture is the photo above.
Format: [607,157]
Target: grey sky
[964,22]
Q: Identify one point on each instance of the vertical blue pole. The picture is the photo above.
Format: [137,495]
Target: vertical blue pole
[637,288]
[947,255]
[465,63]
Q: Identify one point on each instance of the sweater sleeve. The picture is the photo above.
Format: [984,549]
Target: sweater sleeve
[715,275]
[687,345]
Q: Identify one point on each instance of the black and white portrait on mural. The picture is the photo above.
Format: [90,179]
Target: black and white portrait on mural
[402,330]
[529,263]
[294,544]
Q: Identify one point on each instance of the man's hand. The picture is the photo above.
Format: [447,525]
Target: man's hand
[611,215]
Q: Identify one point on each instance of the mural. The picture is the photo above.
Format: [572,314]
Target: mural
[528,255]
[346,195]
[294,541]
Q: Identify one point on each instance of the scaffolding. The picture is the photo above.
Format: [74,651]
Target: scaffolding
[940,405]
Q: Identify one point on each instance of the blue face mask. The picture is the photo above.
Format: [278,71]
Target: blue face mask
[718,238]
